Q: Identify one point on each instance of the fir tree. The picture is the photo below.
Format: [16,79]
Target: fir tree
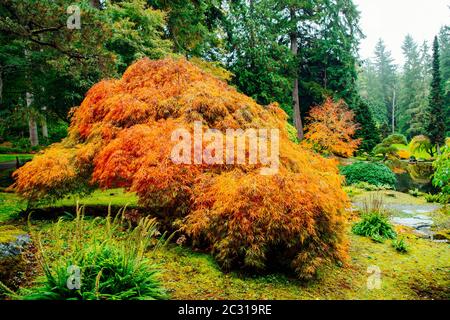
[437,112]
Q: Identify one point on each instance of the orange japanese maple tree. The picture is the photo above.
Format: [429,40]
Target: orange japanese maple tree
[331,129]
[120,136]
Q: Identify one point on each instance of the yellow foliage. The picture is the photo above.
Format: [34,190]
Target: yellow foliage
[120,136]
[404,154]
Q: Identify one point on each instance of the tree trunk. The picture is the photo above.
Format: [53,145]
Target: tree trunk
[44,128]
[295,97]
[393,113]
[1,85]
[438,149]
[32,125]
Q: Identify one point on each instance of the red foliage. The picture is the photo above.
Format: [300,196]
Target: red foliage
[331,128]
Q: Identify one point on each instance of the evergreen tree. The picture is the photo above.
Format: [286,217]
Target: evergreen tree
[369,88]
[444,41]
[191,25]
[387,79]
[368,131]
[419,113]
[411,88]
[263,67]
[437,112]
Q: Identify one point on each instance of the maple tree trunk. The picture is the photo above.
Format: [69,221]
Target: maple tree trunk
[295,97]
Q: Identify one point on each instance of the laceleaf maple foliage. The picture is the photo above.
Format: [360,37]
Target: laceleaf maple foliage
[331,129]
[121,136]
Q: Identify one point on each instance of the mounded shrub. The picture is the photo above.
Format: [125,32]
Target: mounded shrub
[245,217]
[373,173]
[120,136]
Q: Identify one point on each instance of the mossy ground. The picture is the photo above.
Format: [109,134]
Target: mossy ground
[422,273]
[9,233]
[389,196]
[113,197]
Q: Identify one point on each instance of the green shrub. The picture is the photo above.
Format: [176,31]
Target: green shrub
[396,138]
[373,173]
[441,177]
[110,258]
[376,226]
[292,133]
[400,245]
[441,198]
[387,146]
[11,150]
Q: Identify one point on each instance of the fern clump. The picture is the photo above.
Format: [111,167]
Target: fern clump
[400,245]
[376,226]
[96,260]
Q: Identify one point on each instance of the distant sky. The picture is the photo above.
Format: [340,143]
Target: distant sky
[392,20]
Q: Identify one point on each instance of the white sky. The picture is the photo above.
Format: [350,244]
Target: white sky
[392,20]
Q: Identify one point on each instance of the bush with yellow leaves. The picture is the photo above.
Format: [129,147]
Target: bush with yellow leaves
[121,136]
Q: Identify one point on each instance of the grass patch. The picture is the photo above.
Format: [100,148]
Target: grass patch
[390,197]
[113,197]
[10,205]
[400,245]
[12,157]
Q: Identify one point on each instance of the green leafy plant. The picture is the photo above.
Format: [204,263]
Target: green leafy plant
[415,192]
[375,226]
[400,245]
[110,257]
[373,173]
[375,223]
[421,144]
[441,177]
[441,198]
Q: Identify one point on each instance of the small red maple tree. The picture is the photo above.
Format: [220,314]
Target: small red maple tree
[331,129]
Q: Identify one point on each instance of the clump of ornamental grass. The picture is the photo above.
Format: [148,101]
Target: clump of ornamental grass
[96,259]
[374,220]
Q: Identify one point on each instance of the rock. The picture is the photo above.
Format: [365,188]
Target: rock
[16,256]
[442,235]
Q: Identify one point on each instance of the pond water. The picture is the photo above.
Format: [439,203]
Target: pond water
[416,216]
[416,176]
